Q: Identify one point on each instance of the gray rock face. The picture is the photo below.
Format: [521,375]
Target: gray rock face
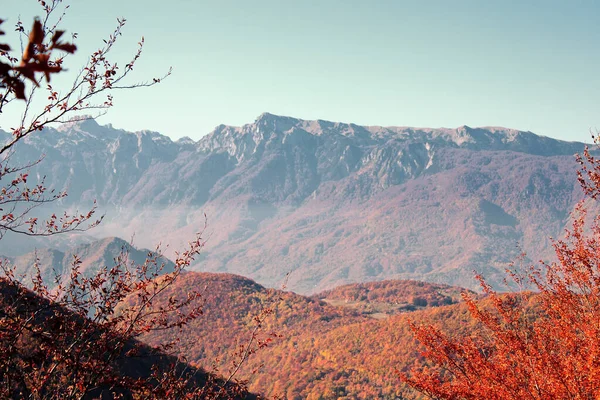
[333,203]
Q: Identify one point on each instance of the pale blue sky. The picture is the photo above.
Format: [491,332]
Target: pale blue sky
[530,65]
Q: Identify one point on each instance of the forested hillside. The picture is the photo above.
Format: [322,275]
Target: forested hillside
[317,348]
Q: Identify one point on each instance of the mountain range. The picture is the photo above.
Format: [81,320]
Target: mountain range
[329,203]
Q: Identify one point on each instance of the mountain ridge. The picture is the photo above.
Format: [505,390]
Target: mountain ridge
[283,124]
[334,203]
[459,135]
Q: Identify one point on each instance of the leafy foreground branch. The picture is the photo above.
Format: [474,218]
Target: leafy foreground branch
[76,342]
[22,86]
[79,340]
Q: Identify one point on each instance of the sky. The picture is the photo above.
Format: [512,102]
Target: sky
[528,65]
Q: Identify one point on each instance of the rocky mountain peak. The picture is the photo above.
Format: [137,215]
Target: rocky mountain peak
[88,128]
[275,123]
[185,141]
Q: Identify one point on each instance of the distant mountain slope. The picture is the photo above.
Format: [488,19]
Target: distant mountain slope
[93,256]
[334,203]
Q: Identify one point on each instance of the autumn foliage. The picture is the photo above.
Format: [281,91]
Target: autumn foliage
[321,347]
[542,346]
[73,338]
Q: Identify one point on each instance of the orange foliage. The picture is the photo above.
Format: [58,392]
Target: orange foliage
[352,360]
[320,351]
[554,354]
[231,304]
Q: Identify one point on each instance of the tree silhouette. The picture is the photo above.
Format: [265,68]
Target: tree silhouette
[77,340]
